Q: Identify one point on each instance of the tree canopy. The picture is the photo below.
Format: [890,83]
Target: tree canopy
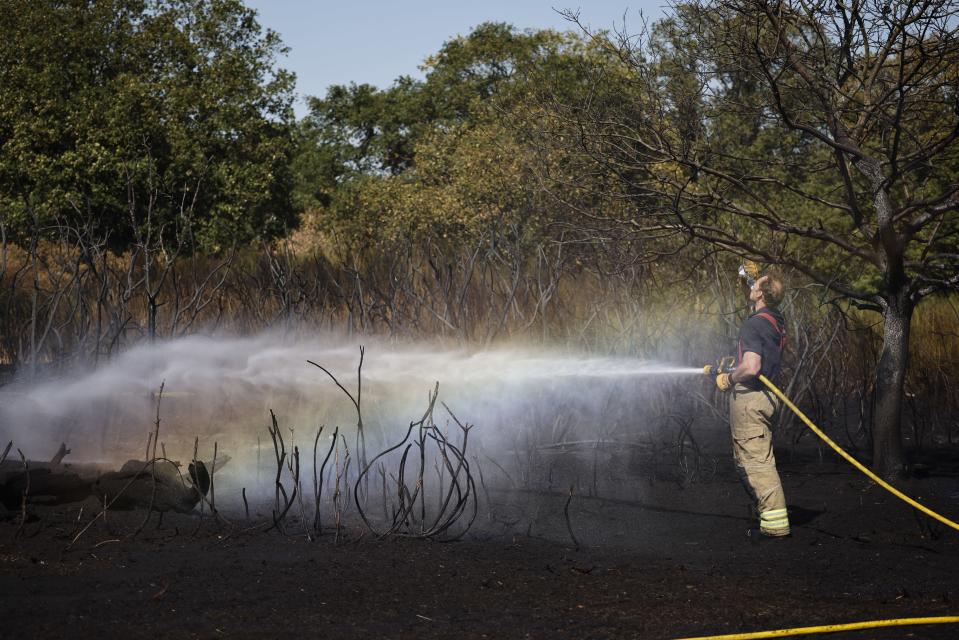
[451,155]
[120,115]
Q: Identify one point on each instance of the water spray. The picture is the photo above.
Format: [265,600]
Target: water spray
[222,388]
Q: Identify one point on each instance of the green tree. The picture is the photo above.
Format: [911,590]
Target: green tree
[135,117]
[435,180]
[359,130]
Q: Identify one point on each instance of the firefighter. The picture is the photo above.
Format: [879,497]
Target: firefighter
[752,407]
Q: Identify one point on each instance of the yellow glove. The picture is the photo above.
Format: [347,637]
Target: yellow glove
[723,382]
[752,269]
[724,365]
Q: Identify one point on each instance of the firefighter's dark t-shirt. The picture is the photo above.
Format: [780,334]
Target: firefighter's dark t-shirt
[760,336]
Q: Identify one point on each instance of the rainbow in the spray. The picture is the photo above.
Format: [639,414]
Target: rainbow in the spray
[221,386]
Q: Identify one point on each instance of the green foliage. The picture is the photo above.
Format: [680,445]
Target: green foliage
[459,156]
[362,130]
[128,115]
[812,145]
[466,181]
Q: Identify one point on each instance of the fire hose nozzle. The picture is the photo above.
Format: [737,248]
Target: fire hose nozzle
[723,365]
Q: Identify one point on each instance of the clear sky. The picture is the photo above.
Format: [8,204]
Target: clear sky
[375,41]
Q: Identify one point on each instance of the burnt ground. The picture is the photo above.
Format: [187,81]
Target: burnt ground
[661,560]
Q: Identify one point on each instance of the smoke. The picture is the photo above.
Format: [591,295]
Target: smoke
[222,389]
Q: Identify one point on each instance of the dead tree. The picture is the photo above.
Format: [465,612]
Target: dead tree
[356,400]
[409,513]
[293,465]
[318,478]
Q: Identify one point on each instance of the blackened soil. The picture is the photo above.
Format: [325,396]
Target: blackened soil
[661,560]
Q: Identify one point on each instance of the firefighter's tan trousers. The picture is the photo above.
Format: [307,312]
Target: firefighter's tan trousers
[750,415]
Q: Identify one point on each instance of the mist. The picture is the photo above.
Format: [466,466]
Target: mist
[222,389]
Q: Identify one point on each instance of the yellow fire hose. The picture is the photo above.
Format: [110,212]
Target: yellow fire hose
[872,476]
[831,628]
[852,626]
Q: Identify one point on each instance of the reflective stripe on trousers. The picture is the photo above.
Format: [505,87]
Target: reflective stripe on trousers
[774,522]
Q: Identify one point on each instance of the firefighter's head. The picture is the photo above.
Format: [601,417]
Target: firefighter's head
[769,289]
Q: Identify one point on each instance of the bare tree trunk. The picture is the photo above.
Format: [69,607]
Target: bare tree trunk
[34,303]
[152,317]
[888,458]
